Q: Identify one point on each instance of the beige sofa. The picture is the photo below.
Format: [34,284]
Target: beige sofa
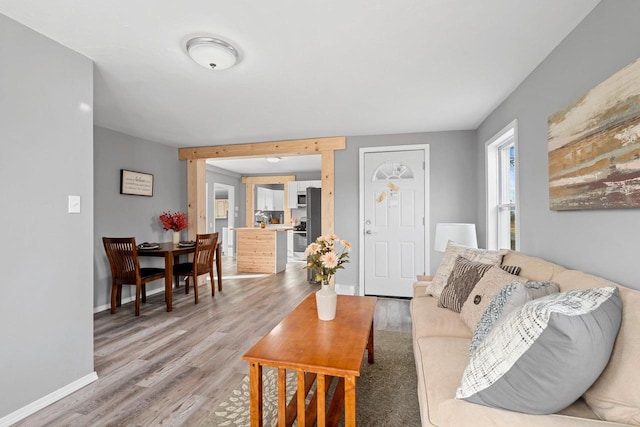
[441,347]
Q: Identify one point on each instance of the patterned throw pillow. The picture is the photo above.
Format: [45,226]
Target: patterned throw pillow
[451,253]
[484,291]
[463,278]
[504,302]
[545,354]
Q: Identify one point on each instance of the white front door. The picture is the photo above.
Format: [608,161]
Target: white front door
[394,236]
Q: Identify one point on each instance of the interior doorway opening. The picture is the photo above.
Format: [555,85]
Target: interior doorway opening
[223,219]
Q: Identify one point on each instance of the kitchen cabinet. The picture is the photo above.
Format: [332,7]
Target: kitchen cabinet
[269,200]
[292,202]
[261,250]
[222,208]
[296,187]
[278,200]
[264,199]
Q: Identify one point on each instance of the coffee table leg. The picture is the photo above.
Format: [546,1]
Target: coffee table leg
[370,345]
[302,407]
[350,401]
[282,397]
[255,383]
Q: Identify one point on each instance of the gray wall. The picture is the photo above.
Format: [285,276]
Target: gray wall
[603,242]
[46,320]
[119,215]
[452,186]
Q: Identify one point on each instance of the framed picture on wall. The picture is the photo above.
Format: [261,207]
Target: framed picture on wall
[136,183]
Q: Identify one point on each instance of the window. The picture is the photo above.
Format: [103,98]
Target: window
[502,190]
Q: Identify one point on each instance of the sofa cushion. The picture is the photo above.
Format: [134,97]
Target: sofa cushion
[456,413]
[482,294]
[615,396]
[429,320]
[531,267]
[440,362]
[461,282]
[510,297]
[546,354]
[451,253]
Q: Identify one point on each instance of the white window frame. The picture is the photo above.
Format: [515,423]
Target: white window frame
[495,186]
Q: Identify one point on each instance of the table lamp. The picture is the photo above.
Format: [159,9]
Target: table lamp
[461,234]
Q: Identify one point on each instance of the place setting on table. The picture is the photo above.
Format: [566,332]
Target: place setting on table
[145,246]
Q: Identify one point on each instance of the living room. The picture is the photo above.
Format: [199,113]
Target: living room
[48,318]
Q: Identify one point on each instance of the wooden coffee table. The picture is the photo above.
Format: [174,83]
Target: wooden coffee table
[319,351]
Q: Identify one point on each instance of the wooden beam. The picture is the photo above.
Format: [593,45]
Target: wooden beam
[251,181]
[262,149]
[328,199]
[196,197]
[268,179]
[196,175]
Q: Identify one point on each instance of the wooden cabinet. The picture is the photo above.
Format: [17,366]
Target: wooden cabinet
[261,250]
[222,208]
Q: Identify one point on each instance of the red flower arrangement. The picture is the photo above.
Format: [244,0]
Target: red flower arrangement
[173,221]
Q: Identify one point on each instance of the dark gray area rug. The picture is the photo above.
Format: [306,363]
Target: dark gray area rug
[386,393]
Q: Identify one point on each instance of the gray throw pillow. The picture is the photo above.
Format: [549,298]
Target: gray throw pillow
[508,298]
[463,278]
[545,354]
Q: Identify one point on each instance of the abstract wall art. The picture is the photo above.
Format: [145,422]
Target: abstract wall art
[594,147]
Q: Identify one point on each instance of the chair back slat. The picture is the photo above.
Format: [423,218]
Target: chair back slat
[205,252]
[122,253]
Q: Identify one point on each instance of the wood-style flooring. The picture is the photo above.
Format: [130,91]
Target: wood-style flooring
[174,369]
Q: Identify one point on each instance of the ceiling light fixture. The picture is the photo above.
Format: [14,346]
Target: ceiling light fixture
[212,53]
[273,159]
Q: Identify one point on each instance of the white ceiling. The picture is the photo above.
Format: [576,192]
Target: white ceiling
[308,68]
[286,165]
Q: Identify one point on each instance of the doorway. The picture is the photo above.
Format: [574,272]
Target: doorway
[394,200]
[223,219]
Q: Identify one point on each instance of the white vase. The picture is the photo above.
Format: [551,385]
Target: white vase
[176,237]
[326,301]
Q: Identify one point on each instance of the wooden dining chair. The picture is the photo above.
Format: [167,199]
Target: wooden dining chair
[202,263]
[125,270]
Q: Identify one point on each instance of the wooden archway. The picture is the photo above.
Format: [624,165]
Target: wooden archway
[196,172]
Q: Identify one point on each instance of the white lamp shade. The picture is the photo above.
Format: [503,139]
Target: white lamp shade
[461,234]
[211,53]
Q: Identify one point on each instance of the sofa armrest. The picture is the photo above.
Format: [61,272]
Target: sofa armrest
[422,278]
[419,288]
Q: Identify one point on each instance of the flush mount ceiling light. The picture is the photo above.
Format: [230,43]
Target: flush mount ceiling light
[212,53]
[273,159]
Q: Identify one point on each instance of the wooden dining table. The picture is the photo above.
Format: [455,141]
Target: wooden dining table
[171,253]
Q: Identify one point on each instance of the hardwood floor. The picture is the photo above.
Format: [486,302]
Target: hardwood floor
[176,368]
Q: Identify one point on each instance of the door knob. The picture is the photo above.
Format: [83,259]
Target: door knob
[368,232]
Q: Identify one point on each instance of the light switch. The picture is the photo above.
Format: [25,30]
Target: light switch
[74,204]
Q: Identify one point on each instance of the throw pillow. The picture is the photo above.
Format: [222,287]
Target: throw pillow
[504,302]
[511,269]
[451,253]
[484,291]
[463,278]
[546,354]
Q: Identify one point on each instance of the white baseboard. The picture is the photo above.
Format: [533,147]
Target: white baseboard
[47,400]
[345,289]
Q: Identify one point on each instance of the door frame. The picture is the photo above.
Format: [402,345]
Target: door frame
[427,247]
[196,171]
